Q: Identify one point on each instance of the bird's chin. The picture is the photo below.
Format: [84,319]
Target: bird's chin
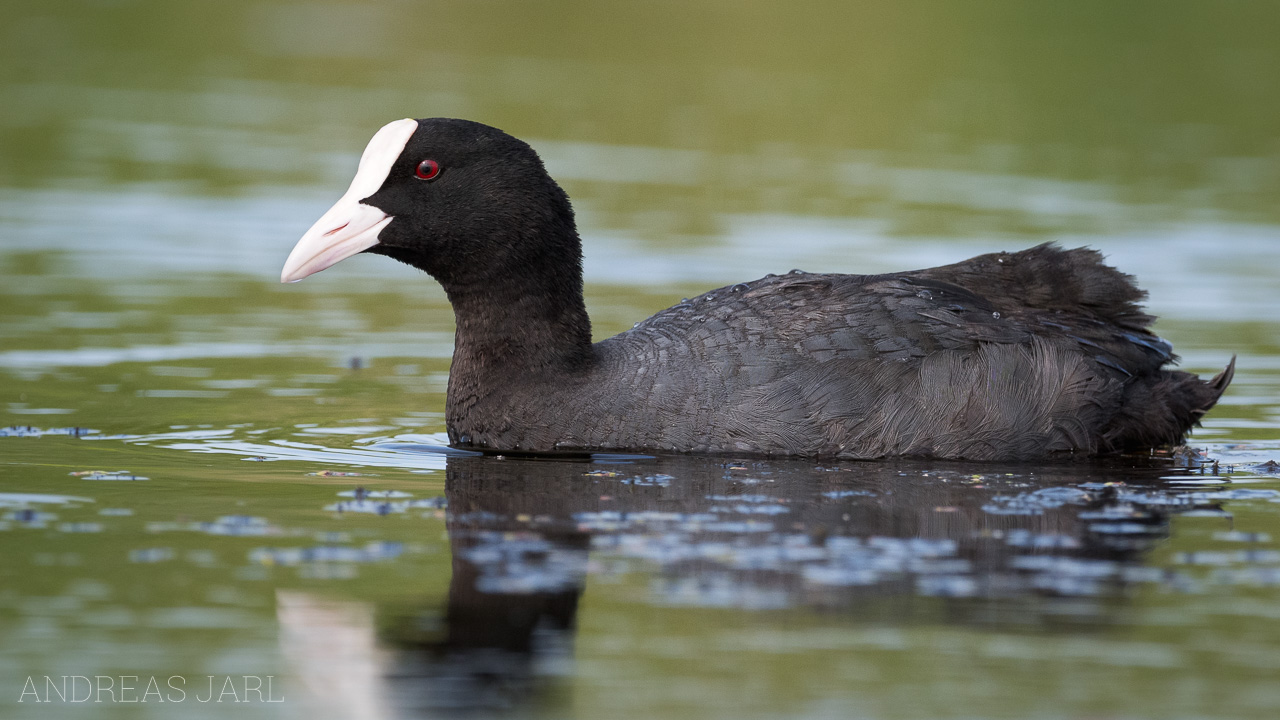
[408,256]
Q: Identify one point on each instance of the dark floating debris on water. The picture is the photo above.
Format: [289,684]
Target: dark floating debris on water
[28,431]
[29,518]
[361,494]
[1190,458]
[107,475]
[375,507]
[335,473]
[1187,457]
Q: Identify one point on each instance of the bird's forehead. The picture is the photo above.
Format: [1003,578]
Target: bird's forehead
[379,155]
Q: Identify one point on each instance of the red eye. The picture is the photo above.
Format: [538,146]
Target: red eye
[427,169]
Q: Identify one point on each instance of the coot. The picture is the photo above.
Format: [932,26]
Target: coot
[1007,356]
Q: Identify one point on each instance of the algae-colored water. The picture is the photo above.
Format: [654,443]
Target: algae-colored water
[204,477]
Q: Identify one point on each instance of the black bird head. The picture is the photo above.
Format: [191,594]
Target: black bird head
[463,201]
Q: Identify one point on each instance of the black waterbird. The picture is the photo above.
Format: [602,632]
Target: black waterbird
[1006,356]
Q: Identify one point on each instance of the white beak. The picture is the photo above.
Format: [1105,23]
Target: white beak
[351,226]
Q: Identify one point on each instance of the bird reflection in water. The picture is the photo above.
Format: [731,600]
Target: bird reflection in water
[901,541]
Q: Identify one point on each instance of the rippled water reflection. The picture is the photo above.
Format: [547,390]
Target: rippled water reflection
[542,586]
[206,475]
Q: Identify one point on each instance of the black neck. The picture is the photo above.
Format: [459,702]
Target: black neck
[530,320]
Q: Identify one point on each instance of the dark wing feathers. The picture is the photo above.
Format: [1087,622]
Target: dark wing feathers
[1048,278]
[1004,356]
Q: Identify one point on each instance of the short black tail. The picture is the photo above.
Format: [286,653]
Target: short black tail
[1213,389]
[1161,409]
